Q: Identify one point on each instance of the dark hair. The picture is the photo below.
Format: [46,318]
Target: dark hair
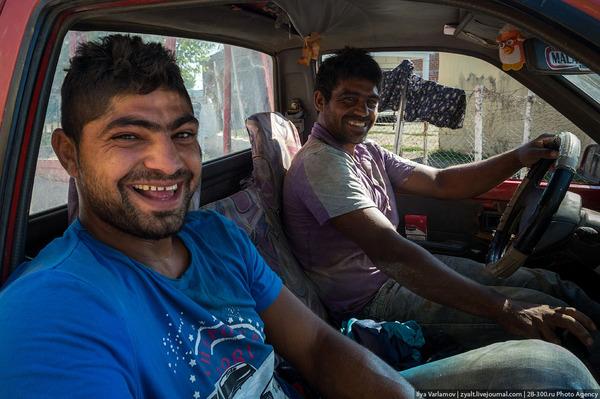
[347,63]
[115,65]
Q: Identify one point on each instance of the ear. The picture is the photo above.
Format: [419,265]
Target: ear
[66,151]
[319,101]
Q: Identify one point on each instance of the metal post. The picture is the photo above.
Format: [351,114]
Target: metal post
[268,81]
[527,124]
[399,128]
[238,95]
[227,101]
[478,124]
[171,44]
[425,150]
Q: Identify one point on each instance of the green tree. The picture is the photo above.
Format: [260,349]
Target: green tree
[191,54]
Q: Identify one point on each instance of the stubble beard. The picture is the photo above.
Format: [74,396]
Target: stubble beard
[121,213]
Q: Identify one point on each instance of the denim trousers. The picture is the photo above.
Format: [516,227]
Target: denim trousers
[495,359]
[524,367]
[538,286]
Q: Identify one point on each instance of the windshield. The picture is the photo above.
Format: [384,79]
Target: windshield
[587,83]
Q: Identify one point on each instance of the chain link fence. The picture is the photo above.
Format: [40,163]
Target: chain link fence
[494,123]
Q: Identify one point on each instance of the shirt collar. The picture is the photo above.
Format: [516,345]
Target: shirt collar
[318,132]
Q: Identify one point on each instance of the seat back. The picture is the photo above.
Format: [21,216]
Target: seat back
[257,208]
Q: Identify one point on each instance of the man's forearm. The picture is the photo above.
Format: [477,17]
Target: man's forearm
[429,278]
[414,267]
[347,370]
[471,180]
[333,364]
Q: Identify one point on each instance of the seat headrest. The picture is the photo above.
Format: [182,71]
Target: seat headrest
[274,140]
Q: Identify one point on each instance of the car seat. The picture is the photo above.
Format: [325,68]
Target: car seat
[257,208]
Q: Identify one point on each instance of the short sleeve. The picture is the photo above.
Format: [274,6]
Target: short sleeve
[335,187]
[397,168]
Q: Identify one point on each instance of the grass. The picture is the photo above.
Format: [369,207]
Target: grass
[393,133]
[380,132]
[391,148]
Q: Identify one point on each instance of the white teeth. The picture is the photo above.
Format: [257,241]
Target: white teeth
[356,123]
[146,187]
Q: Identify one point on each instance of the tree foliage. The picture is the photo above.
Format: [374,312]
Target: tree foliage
[191,54]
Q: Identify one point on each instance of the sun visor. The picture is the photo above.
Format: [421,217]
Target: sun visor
[545,59]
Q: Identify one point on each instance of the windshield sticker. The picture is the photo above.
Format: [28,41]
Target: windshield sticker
[557,60]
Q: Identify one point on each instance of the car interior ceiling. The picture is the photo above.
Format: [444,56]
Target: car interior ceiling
[383,25]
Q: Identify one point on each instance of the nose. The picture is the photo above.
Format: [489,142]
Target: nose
[163,155]
[361,109]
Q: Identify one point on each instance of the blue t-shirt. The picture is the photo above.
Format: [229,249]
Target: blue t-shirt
[83,320]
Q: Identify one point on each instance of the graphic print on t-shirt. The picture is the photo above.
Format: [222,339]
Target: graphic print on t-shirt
[242,380]
[229,355]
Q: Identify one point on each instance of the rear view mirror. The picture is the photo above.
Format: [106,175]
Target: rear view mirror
[590,163]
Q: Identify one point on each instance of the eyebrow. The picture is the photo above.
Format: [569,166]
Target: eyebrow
[355,93]
[155,127]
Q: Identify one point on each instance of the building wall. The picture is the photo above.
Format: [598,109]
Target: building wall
[503,107]
[504,102]
[388,61]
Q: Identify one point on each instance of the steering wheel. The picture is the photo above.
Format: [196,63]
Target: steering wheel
[502,263]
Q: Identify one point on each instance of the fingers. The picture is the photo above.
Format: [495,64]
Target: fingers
[541,321]
[544,140]
[582,320]
[548,334]
[546,153]
[539,148]
[531,155]
[577,315]
[574,321]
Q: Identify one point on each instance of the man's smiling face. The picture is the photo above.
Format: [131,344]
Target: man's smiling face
[351,111]
[139,165]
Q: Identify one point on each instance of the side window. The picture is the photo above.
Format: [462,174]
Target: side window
[226,84]
[500,114]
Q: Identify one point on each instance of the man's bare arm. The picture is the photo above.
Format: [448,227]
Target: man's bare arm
[415,268]
[475,178]
[334,365]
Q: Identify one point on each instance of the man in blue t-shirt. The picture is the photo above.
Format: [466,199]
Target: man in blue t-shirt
[141,299]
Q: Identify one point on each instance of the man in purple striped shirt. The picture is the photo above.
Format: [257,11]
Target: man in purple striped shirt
[341,218]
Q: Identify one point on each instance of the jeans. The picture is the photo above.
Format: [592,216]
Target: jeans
[511,365]
[394,302]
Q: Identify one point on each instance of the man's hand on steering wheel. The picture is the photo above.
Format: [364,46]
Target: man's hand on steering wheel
[542,147]
[504,259]
[541,321]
